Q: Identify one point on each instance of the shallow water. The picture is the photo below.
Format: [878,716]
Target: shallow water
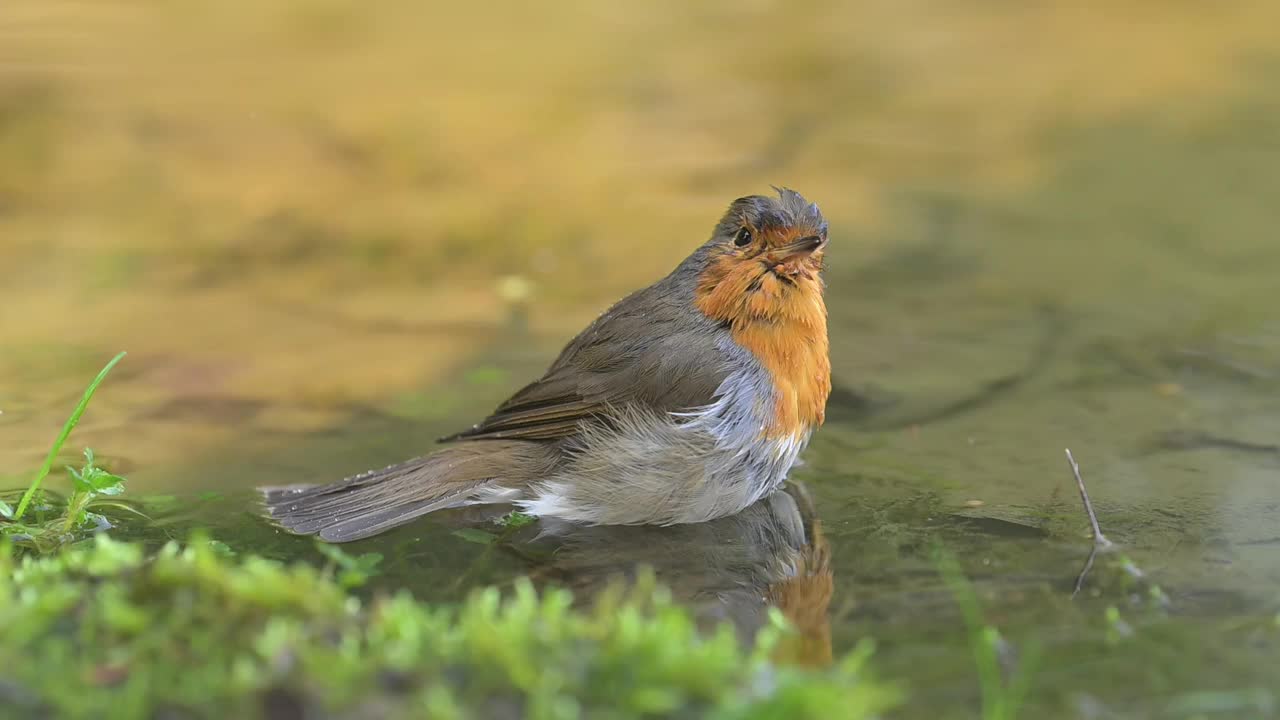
[1052,227]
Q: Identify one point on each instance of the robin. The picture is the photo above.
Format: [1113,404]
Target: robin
[687,401]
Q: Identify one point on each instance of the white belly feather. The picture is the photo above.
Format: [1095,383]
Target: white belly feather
[667,469]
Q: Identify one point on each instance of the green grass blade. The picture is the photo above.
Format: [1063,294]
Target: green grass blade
[997,701]
[62,437]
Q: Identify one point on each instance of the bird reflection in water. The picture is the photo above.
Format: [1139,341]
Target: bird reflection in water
[771,555]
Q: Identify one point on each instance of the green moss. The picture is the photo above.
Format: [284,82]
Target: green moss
[102,630]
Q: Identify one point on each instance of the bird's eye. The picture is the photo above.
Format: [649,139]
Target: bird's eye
[743,238]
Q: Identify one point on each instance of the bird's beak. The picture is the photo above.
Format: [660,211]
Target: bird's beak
[803,246]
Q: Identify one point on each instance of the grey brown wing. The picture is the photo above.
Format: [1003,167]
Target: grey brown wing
[648,354]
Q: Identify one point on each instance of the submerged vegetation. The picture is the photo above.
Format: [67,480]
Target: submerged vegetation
[191,632]
[1003,689]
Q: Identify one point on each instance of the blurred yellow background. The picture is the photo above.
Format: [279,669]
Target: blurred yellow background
[306,203]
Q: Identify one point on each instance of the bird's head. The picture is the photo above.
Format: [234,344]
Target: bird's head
[764,260]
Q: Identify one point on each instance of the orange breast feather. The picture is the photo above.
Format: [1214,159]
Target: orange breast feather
[783,322]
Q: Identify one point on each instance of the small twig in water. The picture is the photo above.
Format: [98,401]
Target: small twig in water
[1084,572]
[1100,541]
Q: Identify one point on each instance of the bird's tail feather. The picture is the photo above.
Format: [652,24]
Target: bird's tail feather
[372,502]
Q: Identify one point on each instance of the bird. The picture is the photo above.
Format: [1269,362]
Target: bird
[688,400]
